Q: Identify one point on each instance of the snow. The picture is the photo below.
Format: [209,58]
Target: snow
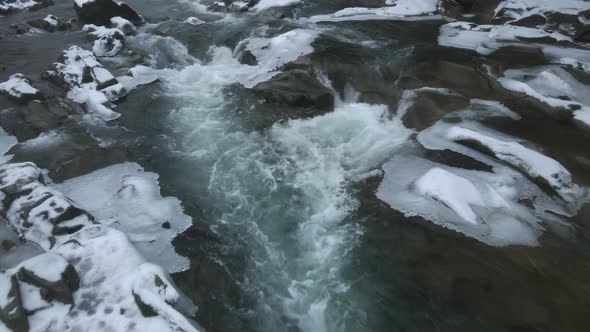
[265,4]
[18,86]
[395,9]
[127,198]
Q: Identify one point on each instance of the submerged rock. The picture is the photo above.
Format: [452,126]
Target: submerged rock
[100,12]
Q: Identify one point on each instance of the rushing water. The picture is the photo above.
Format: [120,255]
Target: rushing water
[282,195]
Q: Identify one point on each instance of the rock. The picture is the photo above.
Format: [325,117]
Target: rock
[20,28]
[471,81]
[68,152]
[247,58]
[296,87]
[51,23]
[145,309]
[431,106]
[274,13]
[7,245]
[28,121]
[517,56]
[12,313]
[19,88]
[100,12]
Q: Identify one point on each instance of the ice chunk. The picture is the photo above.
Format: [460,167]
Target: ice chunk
[486,39]
[455,192]
[129,199]
[479,204]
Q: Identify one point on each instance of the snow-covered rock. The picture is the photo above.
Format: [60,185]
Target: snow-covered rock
[19,88]
[7,6]
[51,23]
[108,41]
[100,12]
[123,25]
[569,17]
[532,163]
[91,278]
[96,281]
[88,80]
[393,9]
[561,94]
[486,39]
[37,212]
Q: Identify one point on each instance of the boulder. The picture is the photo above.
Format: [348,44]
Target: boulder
[20,28]
[296,87]
[27,121]
[100,12]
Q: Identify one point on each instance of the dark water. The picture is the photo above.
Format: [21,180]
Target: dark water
[288,232]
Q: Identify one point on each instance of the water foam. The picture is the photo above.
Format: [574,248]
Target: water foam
[281,196]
